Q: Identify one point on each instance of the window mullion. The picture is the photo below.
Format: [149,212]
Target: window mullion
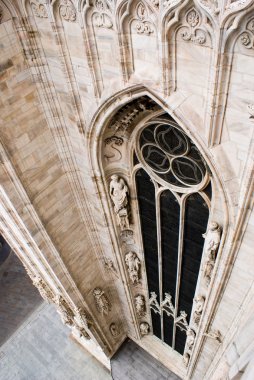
[158,225]
[179,265]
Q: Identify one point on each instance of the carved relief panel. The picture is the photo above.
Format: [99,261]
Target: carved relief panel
[143,41]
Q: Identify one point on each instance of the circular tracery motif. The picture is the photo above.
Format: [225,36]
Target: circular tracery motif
[170,153]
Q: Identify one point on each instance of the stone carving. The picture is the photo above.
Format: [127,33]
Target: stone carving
[200,301]
[43,288]
[39,9]
[126,117]
[212,241]
[81,322]
[114,329]
[143,26]
[102,16]
[211,5]
[64,311]
[234,4]
[102,303]
[133,264]
[186,359]
[112,153]
[127,237]
[190,339]
[216,334]
[140,305]
[109,265]
[168,307]
[193,32]
[247,37]
[118,191]
[191,335]
[67,10]
[144,328]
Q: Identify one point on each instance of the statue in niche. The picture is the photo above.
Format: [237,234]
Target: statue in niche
[212,241]
[144,328]
[133,263]
[140,305]
[119,191]
[101,301]
[200,301]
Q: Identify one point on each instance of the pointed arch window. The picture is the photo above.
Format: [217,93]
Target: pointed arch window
[174,193]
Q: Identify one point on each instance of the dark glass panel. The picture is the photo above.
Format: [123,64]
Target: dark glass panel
[147,210]
[135,159]
[208,190]
[170,214]
[168,325]
[195,224]
[180,340]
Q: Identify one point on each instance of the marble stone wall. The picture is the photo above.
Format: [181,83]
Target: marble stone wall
[66,68]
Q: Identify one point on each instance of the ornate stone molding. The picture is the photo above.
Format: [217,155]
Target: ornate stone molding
[1,14]
[67,10]
[101,301]
[140,305]
[143,25]
[193,31]
[39,9]
[133,264]
[247,37]
[102,18]
[211,245]
[119,191]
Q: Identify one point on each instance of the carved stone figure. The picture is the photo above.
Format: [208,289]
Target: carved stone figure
[101,301]
[190,339]
[43,288]
[64,311]
[186,359]
[140,305]
[212,241]
[133,263]
[114,329]
[200,301]
[81,322]
[118,191]
[144,328]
